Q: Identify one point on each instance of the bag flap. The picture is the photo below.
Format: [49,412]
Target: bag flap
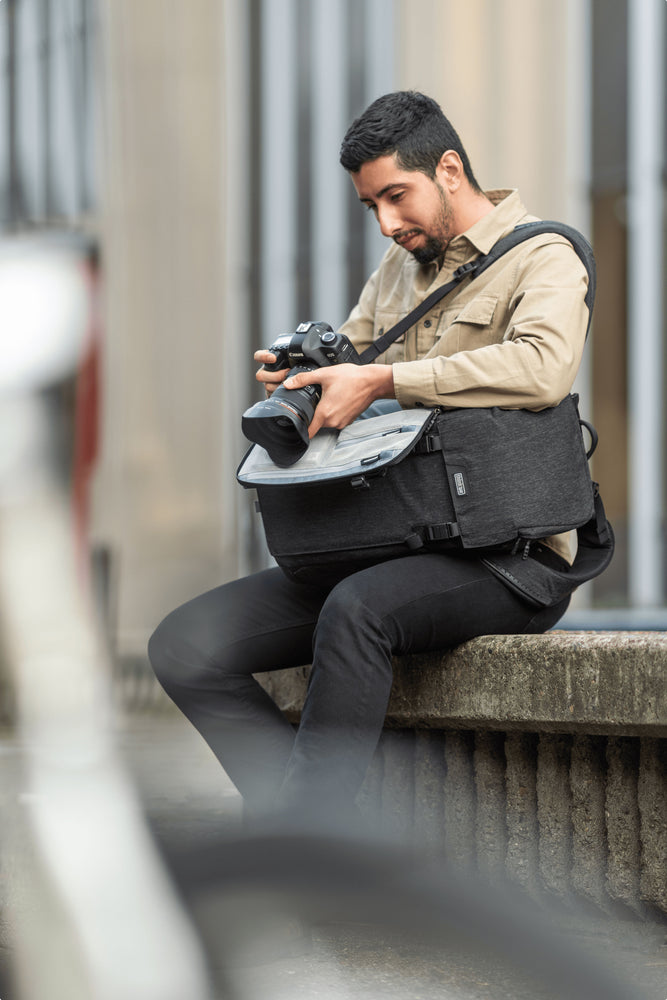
[516,472]
[364,447]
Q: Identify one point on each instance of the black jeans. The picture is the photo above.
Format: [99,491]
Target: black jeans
[205,653]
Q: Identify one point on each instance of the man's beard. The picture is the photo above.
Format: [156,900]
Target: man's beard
[432,249]
[435,246]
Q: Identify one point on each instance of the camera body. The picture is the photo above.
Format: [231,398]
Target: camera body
[280,423]
[312,345]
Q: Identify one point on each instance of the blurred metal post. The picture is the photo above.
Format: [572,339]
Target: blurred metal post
[380,68]
[578,166]
[646,69]
[329,183]
[278,169]
[98,887]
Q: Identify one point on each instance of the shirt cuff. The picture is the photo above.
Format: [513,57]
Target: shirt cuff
[413,383]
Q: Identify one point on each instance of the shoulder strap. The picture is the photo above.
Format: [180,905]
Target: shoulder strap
[475,267]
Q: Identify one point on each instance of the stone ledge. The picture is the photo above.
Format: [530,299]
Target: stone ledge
[595,682]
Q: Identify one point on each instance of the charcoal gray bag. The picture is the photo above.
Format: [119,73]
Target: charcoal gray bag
[483,480]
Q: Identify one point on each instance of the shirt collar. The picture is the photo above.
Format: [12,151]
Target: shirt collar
[507,213]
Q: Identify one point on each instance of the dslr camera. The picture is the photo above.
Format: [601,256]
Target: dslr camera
[280,423]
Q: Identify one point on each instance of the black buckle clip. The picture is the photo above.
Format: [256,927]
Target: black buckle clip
[441,532]
[428,444]
[461,272]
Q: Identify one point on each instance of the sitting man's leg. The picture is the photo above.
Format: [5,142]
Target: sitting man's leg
[206,652]
[410,605]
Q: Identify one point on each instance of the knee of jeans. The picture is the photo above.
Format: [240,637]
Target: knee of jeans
[174,655]
[348,608]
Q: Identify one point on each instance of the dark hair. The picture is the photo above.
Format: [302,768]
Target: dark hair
[406,123]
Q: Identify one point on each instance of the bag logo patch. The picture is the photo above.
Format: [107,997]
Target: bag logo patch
[459,483]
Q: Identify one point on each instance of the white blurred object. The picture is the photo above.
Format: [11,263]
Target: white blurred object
[44,313]
[97,877]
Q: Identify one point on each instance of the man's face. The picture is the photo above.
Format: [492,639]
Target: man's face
[411,209]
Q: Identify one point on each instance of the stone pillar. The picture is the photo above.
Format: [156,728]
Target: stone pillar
[173,357]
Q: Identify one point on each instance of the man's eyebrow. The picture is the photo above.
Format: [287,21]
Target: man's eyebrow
[385,189]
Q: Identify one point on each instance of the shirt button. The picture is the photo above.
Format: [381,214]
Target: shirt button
[427,322]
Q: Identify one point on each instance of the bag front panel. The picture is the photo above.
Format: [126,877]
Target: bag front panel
[521,473]
[331,519]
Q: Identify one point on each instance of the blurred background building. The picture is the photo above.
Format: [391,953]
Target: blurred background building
[189,154]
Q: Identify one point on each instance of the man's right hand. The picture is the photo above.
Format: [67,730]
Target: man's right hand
[270,380]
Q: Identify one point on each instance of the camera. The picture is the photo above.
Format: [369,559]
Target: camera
[280,423]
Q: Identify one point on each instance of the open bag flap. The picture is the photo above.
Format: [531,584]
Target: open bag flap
[359,449]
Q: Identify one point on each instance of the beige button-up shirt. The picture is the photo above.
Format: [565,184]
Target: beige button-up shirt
[513,337]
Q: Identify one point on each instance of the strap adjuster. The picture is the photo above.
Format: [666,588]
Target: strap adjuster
[441,532]
[465,269]
[428,444]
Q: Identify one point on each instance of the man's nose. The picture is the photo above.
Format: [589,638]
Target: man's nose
[389,219]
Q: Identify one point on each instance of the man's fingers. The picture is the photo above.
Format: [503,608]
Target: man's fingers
[315,424]
[304,378]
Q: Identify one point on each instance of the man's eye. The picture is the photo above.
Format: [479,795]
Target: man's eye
[371,208]
[397,195]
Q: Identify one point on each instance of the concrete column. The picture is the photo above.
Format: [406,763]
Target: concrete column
[501,72]
[522,826]
[171,362]
[623,819]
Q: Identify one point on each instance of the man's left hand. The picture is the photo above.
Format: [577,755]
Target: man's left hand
[346,392]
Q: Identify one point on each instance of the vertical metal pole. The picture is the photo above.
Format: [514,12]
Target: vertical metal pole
[47,107]
[578,166]
[329,182]
[645,320]
[380,79]
[357,51]
[15,193]
[279,167]
[306,57]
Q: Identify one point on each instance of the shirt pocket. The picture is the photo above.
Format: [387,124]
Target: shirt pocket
[475,325]
[384,320]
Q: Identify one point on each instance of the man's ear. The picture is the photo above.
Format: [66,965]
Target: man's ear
[449,171]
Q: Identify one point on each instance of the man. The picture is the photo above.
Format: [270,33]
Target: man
[513,338]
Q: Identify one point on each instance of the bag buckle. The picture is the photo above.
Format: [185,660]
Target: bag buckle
[428,444]
[461,272]
[441,532]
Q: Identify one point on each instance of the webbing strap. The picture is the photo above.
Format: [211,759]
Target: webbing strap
[476,267]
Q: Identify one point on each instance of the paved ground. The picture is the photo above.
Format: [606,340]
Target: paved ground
[188,798]
[187,794]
